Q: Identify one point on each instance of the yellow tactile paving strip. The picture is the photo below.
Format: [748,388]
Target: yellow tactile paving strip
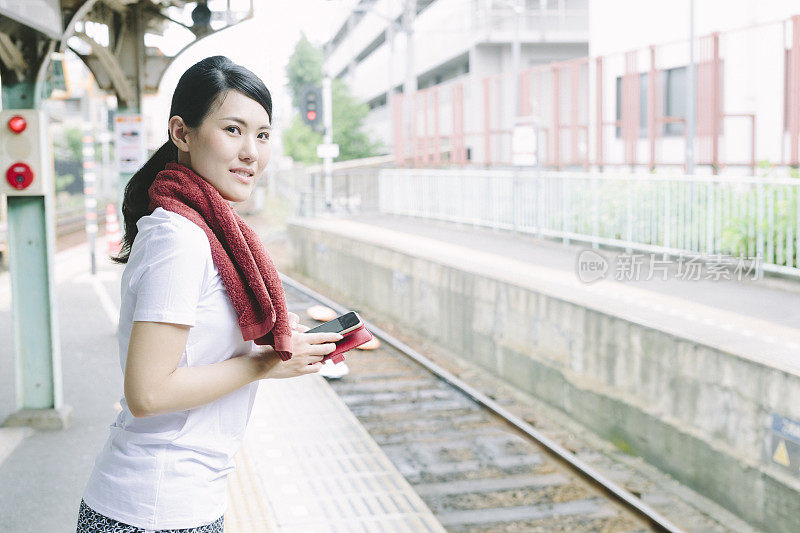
[307,465]
[248,511]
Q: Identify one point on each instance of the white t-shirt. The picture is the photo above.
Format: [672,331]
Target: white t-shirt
[169,471]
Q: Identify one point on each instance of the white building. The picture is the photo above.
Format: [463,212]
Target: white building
[747,102]
[453,40]
[604,82]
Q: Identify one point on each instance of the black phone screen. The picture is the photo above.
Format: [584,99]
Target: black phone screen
[336,325]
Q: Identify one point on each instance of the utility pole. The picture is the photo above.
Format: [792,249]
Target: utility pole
[390,34]
[410,84]
[691,97]
[327,117]
[516,49]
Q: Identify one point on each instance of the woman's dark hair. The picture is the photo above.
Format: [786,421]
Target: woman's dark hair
[199,88]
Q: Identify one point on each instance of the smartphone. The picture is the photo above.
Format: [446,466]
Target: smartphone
[342,324]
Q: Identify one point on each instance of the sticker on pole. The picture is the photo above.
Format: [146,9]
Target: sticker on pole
[129,143]
[328,151]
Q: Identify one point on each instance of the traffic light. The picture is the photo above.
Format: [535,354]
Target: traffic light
[311,107]
[25,161]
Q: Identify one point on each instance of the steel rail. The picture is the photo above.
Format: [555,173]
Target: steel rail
[617,493]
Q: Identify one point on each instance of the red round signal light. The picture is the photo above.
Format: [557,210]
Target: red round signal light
[17,124]
[311,115]
[19,176]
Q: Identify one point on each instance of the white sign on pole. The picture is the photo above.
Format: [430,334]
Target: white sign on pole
[524,146]
[328,150]
[129,145]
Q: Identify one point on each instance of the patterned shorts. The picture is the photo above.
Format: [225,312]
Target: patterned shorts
[90,521]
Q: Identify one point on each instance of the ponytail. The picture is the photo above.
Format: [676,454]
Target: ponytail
[136,201]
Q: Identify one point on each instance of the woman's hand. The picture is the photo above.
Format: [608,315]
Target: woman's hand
[308,349]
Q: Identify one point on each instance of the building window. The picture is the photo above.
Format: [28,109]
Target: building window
[674,100]
[371,47]
[642,105]
[444,72]
[378,101]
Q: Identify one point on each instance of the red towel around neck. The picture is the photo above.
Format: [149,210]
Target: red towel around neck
[244,265]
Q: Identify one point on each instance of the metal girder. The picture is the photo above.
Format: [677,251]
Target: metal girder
[110,66]
[125,66]
[11,56]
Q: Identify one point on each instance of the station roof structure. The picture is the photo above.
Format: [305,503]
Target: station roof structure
[108,35]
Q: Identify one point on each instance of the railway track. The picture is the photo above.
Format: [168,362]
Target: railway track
[479,467]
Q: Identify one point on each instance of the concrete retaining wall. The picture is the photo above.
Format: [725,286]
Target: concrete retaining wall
[695,411]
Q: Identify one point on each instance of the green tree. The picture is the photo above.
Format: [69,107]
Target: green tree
[299,140]
[304,68]
[348,119]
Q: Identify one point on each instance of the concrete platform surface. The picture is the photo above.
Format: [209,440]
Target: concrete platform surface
[316,472]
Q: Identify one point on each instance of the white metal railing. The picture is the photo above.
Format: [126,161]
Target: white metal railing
[737,216]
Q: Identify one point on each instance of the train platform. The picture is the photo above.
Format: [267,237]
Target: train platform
[319,472]
[758,319]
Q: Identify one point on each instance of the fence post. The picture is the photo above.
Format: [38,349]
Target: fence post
[710,248]
[628,218]
[437,140]
[596,212]
[667,218]
[565,211]
[759,217]
[539,203]
[515,199]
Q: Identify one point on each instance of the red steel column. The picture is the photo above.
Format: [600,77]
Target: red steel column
[414,132]
[794,92]
[573,116]
[457,140]
[630,108]
[426,139]
[716,105]
[556,117]
[397,122]
[651,108]
[437,140]
[454,148]
[587,130]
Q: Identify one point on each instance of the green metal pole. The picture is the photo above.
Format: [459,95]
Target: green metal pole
[31,243]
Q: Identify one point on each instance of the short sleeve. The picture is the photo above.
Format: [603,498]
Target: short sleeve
[172,274]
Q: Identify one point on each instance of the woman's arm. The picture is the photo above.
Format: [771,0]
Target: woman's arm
[154,384]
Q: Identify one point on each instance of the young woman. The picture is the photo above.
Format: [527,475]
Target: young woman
[202,315]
